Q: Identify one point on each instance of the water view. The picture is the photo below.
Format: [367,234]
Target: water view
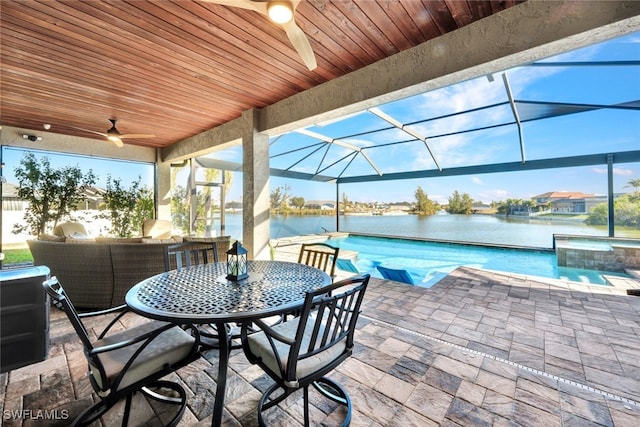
[488,229]
[426,261]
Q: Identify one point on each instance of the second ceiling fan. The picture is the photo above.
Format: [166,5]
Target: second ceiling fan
[282,13]
[114,135]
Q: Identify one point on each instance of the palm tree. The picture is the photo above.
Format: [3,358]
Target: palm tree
[635,183]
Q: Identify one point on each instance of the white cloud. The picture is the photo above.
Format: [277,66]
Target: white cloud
[496,195]
[623,172]
[616,171]
[477,180]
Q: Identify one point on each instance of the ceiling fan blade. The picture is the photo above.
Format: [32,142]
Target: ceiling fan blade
[91,131]
[296,36]
[137,135]
[300,42]
[117,141]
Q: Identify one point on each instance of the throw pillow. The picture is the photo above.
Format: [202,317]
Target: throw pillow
[67,229]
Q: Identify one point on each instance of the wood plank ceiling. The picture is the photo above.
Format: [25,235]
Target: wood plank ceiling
[175,68]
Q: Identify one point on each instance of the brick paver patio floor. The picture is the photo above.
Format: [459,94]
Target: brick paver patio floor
[478,348]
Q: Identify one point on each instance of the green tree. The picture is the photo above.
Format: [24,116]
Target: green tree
[285,198]
[635,183]
[179,209]
[52,193]
[598,215]
[145,208]
[635,196]
[626,210]
[346,203]
[275,197]
[460,204]
[424,205]
[297,202]
[509,206]
[122,206]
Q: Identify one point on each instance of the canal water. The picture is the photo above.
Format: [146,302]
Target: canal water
[487,229]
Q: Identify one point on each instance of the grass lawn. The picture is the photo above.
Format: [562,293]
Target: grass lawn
[581,217]
[15,256]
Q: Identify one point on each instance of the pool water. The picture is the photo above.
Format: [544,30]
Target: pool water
[427,262]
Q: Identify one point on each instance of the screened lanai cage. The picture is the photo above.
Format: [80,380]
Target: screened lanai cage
[569,124]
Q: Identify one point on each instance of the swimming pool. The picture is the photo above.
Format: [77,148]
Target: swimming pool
[427,261]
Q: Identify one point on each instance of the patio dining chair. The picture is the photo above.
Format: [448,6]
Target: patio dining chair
[187,254]
[319,255]
[182,255]
[302,351]
[396,274]
[122,363]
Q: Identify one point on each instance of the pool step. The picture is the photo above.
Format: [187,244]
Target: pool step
[633,272]
[433,279]
[629,283]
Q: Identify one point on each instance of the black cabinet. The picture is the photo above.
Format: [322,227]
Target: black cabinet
[24,317]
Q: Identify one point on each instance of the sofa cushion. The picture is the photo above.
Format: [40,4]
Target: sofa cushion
[119,239]
[51,238]
[79,238]
[157,229]
[173,239]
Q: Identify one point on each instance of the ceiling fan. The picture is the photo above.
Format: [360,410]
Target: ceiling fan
[281,13]
[115,136]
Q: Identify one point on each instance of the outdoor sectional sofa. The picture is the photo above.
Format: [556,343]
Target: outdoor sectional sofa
[98,273]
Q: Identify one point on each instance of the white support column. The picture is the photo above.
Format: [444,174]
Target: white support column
[255,183]
[163,189]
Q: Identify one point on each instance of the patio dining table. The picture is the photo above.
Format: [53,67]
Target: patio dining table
[202,295]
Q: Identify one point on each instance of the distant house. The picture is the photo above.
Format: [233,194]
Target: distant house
[400,206]
[234,205]
[479,207]
[93,199]
[566,201]
[10,199]
[318,204]
[11,202]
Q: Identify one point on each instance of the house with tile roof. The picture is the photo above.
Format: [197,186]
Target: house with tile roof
[573,202]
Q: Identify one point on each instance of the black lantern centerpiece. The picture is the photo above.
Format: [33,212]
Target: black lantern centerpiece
[237,262]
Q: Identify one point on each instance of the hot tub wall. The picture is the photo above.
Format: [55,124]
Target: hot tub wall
[620,255]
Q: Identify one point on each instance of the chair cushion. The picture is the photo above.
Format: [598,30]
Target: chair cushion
[259,346]
[168,348]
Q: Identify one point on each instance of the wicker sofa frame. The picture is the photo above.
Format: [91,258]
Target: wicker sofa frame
[97,275]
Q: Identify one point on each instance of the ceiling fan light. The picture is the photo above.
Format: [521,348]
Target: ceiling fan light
[114,139]
[280,12]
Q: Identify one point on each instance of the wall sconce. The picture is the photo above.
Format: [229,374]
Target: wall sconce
[32,137]
[237,262]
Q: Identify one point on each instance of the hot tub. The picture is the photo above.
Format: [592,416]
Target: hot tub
[597,253]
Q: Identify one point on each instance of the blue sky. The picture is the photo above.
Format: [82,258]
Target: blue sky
[127,172]
[584,133]
[592,132]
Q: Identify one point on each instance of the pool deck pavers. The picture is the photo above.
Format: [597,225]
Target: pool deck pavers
[478,348]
